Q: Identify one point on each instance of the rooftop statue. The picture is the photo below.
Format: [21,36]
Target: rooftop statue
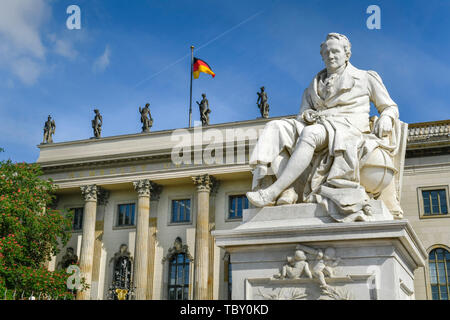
[146,118]
[97,124]
[263,106]
[204,110]
[331,148]
[49,130]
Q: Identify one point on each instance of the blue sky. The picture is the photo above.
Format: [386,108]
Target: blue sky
[128,53]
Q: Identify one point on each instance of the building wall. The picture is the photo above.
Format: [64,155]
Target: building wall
[431,171]
[113,237]
[61,161]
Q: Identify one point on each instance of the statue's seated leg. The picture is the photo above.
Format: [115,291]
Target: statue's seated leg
[313,137]
[288,196]
[276,137]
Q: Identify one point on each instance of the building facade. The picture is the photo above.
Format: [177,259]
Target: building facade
[145,205]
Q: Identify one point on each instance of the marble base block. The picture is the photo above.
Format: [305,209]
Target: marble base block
[358,260]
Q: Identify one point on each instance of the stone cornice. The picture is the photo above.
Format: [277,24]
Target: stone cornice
[364,231]
[166,174]
[58,157]
[427,133]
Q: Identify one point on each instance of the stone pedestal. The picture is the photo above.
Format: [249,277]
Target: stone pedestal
[358,260]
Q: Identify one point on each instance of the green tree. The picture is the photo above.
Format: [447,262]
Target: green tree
[30,233]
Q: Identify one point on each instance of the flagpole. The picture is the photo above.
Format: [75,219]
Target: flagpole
[190,99]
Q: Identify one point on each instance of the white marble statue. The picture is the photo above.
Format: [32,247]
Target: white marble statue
[330,142]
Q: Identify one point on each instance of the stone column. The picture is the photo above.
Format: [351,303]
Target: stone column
[89,194]
[212,226]
[102,201]
[152,231]
[151,256]
[201,259]
[143,188]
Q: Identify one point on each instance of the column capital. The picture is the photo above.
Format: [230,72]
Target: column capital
[156,190]
[89,192]
[142,187]
[102,196]
[148,188]
[95,193]
[205,182]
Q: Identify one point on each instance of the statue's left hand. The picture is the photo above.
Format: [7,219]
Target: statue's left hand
[310,116]
[383,126]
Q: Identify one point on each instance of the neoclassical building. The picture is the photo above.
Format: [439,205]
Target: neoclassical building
[145,205]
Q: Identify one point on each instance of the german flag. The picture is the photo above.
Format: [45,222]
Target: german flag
[201,66]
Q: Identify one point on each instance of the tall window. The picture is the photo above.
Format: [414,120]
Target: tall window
[179,277]
[181,210]
[439,263]
[126,214]
[77,218]
[236,205]
[227,274]
[434,202]
[230,281]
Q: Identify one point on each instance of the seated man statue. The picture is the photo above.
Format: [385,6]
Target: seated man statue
[330,141]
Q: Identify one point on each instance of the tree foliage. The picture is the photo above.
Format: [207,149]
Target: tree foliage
[30,231]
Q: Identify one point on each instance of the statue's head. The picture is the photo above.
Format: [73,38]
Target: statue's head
[123,248]
[69,251]
[147,105]
[300,255]
[178,244]
[319,254]
[203,95]
[335,50]
[49,117]
[96,111]
[262,88]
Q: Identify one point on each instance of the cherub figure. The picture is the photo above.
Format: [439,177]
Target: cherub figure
[325,262]
[295,267]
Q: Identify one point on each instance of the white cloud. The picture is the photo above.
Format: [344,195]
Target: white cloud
[102,62]
[26,70]
[20,22]
[22,50]
[64,48]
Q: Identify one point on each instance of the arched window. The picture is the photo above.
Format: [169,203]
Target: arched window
[121,287]
[179,260]
[439,263]
[179,277]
